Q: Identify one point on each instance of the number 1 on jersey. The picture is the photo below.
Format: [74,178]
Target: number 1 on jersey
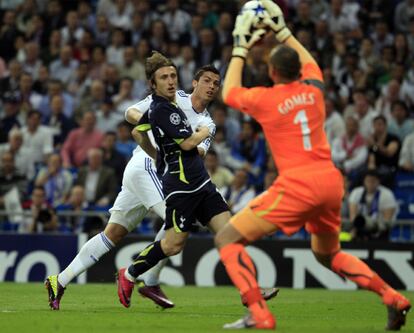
[303,121]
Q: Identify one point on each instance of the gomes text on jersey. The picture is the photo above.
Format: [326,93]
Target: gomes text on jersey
[180,170]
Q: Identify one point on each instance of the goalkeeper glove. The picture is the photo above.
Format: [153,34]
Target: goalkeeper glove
[276,20]
[244,34]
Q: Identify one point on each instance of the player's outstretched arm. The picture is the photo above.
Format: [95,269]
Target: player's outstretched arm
[276,22]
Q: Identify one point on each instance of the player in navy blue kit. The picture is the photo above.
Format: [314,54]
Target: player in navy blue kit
[190,195]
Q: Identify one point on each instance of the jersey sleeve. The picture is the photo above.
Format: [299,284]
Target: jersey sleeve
[311,71]
[173,122]
[143,105]
[245,99]
[144,123]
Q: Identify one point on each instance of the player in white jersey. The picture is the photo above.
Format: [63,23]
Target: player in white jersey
[141,191]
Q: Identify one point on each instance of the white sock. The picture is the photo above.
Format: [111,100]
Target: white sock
[88,255]
[152,277]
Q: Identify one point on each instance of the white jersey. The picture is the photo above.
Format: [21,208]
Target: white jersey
[196,119]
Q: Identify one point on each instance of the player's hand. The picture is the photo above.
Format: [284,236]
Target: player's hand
[204,131]
[276,21]
[244,34]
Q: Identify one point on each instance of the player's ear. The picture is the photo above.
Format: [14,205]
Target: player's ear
[194,84]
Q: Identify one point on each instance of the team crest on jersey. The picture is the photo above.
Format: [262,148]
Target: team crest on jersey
[186,122]
[175,118]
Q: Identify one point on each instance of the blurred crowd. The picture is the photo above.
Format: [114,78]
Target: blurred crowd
[69,69]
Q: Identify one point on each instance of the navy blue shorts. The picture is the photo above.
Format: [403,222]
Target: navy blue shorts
[184,209]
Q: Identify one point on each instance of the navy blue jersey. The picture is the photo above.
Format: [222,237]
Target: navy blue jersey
[180,170]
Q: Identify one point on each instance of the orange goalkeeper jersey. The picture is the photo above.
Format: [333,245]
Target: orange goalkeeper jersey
[292,117]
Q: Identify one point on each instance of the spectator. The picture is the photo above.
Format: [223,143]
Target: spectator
[381,36]
[303,19]
[210,19]
[55,180]
[98,180]
[28,97]
[40,85]
[130,67]
[10,120]
[55,87]
[364,112]
[192,37]
[207,50]
[249,152]
[80,140]
[87,18]
[187,69]
[80,82]
[349,151]
[256,71]
[406,160]
[120,13]
[399,124]
[372,209]
[340,19]
[158,37]
[31,62]
[23,159]
[125,145]
[384,150]
[389,95]
[115,51]
[63,68]
[334,123]
[43,217]
[137,30]
[220,146]
[11,81]
[111,80]
[76,204]
[10,177]
[59,124]
[230,125]
[98,65]
[8,35]
[102,30]
[52,51]
[37,138]
[107,118]
[54,15]
[92,101]
[224,29]
[111,157]
[220,175]
[239,193]
[72,32]
[403,14]
[124,98]
[177,20]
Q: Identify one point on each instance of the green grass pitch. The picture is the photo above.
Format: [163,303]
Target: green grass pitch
[95,308]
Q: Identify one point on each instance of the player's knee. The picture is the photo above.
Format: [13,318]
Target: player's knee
[115,232]
[171,249]
[323,259]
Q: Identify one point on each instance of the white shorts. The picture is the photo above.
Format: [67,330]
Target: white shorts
[141,189]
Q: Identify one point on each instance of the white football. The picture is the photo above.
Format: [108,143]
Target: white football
[259,11]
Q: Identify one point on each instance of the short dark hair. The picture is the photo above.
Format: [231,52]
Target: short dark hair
[34,112]
[155,62]
[380,117]
[207,68]
[286,62]
[212,153]
[372,173]
[401,104]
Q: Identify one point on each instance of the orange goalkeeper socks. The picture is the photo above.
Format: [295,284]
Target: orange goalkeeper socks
[354,269]
[242,272]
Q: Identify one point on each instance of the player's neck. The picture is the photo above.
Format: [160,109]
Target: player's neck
[197,103]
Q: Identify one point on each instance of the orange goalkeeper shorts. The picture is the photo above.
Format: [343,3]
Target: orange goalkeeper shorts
[303,197]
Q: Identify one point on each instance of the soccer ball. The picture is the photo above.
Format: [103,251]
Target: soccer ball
[259,12]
